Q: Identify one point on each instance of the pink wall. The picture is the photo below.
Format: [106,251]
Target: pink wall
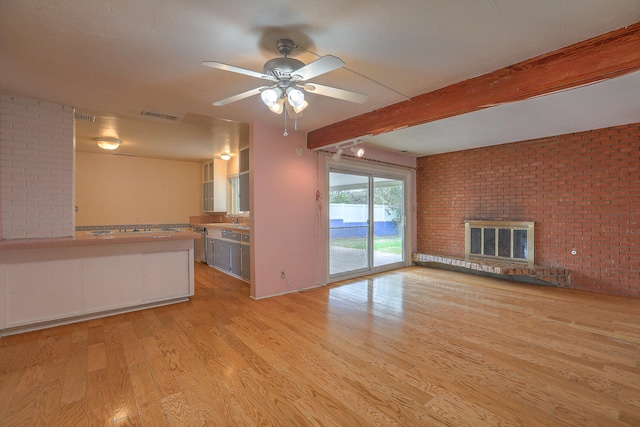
[287,225]
[284,221]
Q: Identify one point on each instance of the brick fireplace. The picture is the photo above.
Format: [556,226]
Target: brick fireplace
[582,190]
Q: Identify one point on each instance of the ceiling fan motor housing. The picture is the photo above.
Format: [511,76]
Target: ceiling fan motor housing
[281,68]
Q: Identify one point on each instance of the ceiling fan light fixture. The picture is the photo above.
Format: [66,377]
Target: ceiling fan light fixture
[295,97]
[271,96]
[300,109]
[108,143]
[278,107]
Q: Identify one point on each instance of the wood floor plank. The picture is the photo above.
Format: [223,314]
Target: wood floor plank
[75,380]
[123,399]
[177,410]
[99,410]
[147,397]
[159,368]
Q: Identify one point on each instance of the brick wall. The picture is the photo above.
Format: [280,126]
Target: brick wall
[36,168]
[582,191]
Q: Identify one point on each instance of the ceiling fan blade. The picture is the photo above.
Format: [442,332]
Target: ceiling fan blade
[239,96]
[234,69]
[319,66]
[333,92]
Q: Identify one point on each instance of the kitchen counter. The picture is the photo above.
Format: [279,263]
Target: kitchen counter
[48,282]
[241,228]
[87,238]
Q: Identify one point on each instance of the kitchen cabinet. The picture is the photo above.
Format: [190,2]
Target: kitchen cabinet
[236,259]
[231,253]
[243,194]
[243,181]
[51,285]
[245,258]
[222,255]
[214,186]
[210,250]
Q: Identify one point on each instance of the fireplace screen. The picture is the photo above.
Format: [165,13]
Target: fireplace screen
[504,240]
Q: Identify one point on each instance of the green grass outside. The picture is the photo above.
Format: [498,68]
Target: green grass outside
[380,244]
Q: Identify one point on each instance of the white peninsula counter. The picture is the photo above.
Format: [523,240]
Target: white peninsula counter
[48,282]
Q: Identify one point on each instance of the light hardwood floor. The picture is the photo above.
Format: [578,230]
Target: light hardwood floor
[412,347]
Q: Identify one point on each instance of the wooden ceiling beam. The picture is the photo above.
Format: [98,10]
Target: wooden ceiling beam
[606,56]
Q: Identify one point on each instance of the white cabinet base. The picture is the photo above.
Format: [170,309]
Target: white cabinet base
[43,287]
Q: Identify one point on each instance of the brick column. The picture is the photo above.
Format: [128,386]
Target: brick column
[36,169]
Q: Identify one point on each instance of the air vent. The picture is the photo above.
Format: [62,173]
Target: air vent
[85,117]
[161,116]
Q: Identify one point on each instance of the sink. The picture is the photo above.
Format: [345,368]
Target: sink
[153,230]
[99,232]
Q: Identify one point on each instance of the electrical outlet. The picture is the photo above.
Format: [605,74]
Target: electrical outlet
[282,274]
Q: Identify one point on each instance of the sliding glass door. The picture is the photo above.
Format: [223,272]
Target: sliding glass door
[388,221]
[366,222]
[348,223]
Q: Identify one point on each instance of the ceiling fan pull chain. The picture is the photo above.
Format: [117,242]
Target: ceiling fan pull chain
[285,122]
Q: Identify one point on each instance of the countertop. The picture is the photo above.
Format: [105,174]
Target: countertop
[242,228]
[87,238]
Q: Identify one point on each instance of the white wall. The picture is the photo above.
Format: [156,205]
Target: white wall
[36,168]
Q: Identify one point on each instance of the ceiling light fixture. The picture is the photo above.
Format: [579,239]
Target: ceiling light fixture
[271,96]
[359,152]
[352,144]
[295,97]
[274,97]
[108,143]
[225,156]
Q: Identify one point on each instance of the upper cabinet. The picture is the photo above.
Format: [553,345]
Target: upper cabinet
[214,186]
[244,180]
[239,197]
[244,159]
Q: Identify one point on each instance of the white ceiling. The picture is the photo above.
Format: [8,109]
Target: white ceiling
[118,58]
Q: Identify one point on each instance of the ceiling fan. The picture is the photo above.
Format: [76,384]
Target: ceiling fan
[287,76]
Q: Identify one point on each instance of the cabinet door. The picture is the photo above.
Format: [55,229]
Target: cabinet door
[236,259]
[31,299]
[214,189]
[207,196]
[222,258]
[210,250]
[246,262]
[244,160]
[243,197]
[165,275]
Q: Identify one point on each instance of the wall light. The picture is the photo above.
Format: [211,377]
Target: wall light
[108,143]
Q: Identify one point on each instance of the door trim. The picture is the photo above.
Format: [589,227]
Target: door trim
[375,170]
